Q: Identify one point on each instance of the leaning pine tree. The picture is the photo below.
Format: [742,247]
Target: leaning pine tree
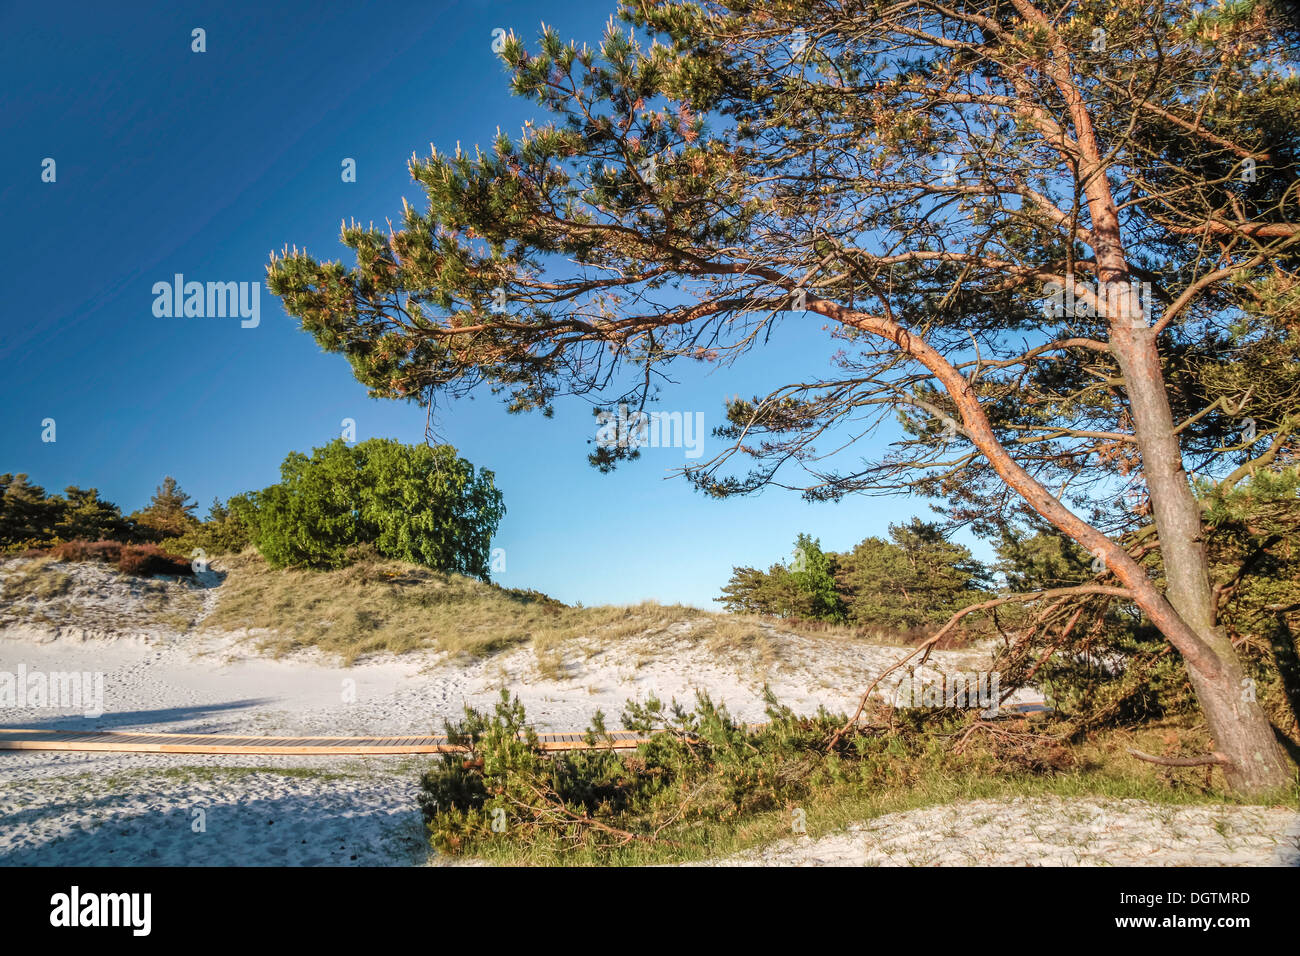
[969,200]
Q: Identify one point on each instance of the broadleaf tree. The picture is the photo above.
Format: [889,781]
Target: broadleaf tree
[969,200]
[413,503]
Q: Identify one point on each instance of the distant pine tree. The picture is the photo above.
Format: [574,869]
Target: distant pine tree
[170,514]
[916,578]
[805,588]
[742,594]
[27,514]
[89,517]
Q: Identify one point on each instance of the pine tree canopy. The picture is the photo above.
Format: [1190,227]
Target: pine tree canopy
[1054,240]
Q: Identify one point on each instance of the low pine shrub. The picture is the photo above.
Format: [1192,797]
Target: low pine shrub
[701,778]
[702,768]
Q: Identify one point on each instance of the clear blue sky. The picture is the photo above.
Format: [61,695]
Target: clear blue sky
[170,161]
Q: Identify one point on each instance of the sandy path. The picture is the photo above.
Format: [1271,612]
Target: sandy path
[130,809]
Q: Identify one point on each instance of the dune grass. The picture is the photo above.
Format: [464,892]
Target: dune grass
[48,592]
[38,578]
[380,606]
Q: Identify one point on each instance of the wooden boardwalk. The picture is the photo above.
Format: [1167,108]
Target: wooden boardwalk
[122,741]
[126,741]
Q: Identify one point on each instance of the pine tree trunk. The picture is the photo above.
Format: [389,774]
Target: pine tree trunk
[1184,613]
[1238,725]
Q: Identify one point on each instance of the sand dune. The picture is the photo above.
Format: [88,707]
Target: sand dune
[109,809]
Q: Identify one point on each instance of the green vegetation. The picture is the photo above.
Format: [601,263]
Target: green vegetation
[707,786]
[1097,659]
[916,579]
[409,502]
[813,580]
[1062,256]
[406,502]
[29,518]
[32,519]
[804,589]
[1101,661]
[224,531]
[169,514]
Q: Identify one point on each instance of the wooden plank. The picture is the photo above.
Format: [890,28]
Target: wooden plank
[121,741]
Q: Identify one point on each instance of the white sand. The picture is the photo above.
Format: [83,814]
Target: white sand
[216,683]
[1050,831]
[100,809]
[142,810]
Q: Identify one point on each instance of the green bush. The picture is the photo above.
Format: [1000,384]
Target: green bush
[701,767]
[804,590]
[917,579]
[410,502]
[701,776]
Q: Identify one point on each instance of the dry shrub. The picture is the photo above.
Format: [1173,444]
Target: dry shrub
[145,560]
[142,560]
[107,552]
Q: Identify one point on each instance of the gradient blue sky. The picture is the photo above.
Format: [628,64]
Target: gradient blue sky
[171,161]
